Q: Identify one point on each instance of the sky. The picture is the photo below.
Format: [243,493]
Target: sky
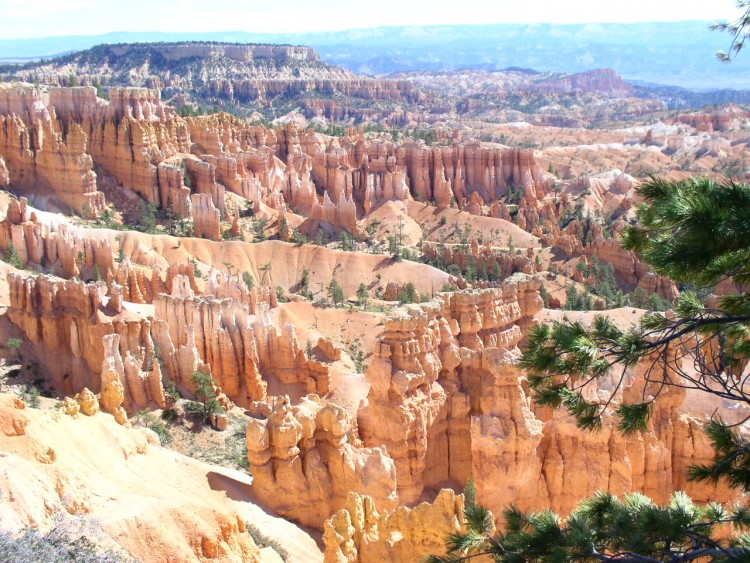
[21,19]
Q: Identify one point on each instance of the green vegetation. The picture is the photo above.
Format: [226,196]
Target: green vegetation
[196,270]
[354,348]
[347,241]
[697,232]
[30,396]
[602,528]
[14,346]
[394,248]
[259,229]
[545,296]
[408,293]
[206,403]
[248,280]
[146,221]
[146,419]
[12,257]
[336,292]
[605,284]
[362,295]
[575,301]
[101,92]
[652,301]
[738,29]
[304,284]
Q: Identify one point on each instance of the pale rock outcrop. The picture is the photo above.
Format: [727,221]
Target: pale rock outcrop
[88,403]
[408,409]
[60,248]
[70,406]
[207,219]
[70,472]
[4,175]
[359,533]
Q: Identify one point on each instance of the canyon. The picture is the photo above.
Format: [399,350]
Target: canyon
[357,301]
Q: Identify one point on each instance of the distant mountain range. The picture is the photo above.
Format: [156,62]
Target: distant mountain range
[679,54]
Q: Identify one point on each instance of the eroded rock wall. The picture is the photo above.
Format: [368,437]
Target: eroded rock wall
[305,460]
[448,402]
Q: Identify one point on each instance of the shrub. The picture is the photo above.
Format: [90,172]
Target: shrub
[145,418]
[14,345]
[259,229]
[30,396]
[262,540]
[247,277]
[58,546]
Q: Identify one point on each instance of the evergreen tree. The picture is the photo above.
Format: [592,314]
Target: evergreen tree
[304,282]
[738,29]
[347,241]
[408,293]
[12,257]
[206,397]
[394,248]
[603,528]
[362,295]
[335,292]
[249,280]
[259,229]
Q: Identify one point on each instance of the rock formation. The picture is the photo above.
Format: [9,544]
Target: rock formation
[56,477]
[82,340]
[42,158]
[447,402]
[305,459]
[359,532]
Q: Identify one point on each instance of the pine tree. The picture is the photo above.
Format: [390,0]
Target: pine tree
[335,292]
[206,396]
[304,282]
[602,528]
[362,295]
[739,30]
[408,293]
[249,280]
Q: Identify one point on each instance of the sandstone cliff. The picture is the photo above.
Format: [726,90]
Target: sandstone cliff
[447,403]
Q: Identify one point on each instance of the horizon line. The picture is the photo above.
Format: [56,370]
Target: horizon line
[343,30]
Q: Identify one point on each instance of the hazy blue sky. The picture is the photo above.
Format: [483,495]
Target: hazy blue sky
[41,18]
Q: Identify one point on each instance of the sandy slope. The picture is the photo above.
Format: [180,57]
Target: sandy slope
[158,504]
[350,330]
[489,228]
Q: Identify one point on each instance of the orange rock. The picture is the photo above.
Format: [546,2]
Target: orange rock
[304,465]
